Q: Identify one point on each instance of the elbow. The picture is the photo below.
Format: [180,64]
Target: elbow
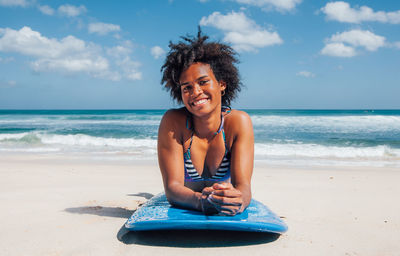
[170,193]
[170,197]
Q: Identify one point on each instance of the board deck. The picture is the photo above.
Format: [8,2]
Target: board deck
[158,214]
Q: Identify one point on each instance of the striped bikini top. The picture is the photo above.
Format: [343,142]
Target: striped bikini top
[223,172]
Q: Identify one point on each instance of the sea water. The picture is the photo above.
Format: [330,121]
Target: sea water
[290,137]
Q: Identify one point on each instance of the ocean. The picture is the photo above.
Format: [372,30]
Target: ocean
[288,137]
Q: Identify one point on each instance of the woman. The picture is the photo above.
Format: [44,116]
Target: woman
[205,150]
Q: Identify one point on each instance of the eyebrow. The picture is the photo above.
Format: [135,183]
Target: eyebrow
[199,78]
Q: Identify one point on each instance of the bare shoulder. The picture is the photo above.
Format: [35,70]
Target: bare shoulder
[238,125]
[174,117]
[172,126]
[238,119]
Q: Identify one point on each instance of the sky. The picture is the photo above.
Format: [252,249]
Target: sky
[294,54]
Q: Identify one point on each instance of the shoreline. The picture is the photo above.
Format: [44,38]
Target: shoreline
[131,159]
[58,205]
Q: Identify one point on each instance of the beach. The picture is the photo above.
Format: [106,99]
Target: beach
[300,94]
[56,204]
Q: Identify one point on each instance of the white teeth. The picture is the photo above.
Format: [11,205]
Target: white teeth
[199,102]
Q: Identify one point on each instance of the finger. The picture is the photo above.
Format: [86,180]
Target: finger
[226,213]
[229,211]
[232,193]
[222,185]
[225,200]
[215,205]
[225,210]
[207,191]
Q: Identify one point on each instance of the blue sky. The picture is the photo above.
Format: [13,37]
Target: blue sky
[108,54]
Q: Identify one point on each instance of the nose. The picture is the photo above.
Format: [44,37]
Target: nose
[197,89]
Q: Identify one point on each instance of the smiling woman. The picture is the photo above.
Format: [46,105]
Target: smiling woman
[205,149]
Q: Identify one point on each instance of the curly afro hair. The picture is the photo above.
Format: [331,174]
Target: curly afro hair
[220,57]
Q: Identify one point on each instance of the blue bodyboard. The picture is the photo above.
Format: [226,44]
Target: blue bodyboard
[158,214]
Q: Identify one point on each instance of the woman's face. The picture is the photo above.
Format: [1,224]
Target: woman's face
[201,92]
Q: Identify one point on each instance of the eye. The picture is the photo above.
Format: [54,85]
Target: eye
[203,82]
[186,88]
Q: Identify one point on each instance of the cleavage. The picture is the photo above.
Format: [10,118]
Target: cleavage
[207,157]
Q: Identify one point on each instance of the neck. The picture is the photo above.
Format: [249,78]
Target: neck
[207,126]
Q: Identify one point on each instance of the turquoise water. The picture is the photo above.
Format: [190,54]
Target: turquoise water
[355,137]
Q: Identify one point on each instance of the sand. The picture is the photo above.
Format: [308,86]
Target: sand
[62,205]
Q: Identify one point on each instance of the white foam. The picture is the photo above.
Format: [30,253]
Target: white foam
[320,151]
[280,151]
[330,123]
[12,136]
[31,150]
[33,141]
[86,140]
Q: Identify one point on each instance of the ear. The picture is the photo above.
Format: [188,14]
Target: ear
[222,84]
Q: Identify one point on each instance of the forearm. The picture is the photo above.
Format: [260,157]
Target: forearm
[245,190]
[181,196]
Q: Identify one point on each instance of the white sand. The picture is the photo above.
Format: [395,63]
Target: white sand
[56,205]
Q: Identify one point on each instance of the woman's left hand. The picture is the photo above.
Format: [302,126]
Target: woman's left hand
[226,199]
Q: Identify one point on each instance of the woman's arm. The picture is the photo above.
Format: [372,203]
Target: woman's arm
[233,198]
[170,159]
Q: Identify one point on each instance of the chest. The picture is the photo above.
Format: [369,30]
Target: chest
[206,155]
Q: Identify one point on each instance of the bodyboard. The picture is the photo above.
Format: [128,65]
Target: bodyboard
[158,214]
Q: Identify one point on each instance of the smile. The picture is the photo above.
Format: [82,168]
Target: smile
[200,102]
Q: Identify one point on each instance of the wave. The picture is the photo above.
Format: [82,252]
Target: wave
[148,146]
[86,140]
[349,123]
[71,122]
[75,143]
[370,123]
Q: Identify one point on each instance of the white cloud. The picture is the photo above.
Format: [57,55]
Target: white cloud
[71,10]
[103,28]
[305,74]
[243,33]
[120,51]
[157,52]
[363,38]
[280,5]
[343,12]
[338,50]
[68,54]
[130,68]
[120,54]
[72,64]
[32,43]
[396,44]
[344,44]
[45,9]
[12,3]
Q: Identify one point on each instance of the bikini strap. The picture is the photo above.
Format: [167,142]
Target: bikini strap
[226,109]
[221,126]
[191,141]
[188,118]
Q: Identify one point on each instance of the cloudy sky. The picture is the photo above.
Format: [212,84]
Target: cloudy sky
[108,54]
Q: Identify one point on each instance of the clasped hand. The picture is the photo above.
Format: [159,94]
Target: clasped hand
[222,198]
